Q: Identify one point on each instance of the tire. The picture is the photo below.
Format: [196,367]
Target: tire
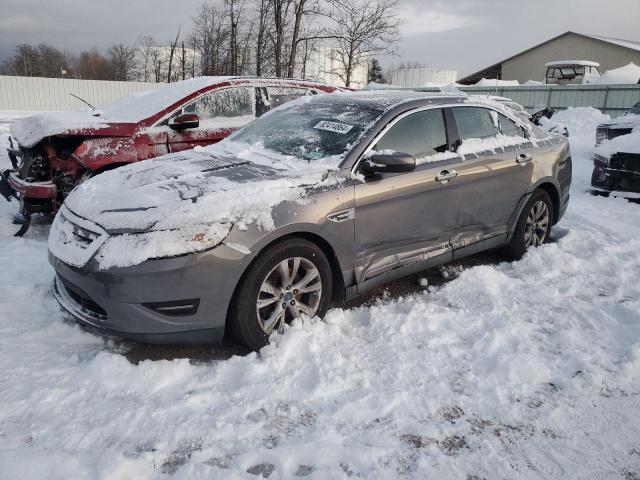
[538,208]
[266,283]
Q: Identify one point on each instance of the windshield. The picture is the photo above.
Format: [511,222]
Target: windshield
[310,130]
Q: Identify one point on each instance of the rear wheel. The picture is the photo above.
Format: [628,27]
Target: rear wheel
[533,227]
[286,281]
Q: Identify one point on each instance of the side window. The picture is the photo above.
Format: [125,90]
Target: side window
[476,122]
[421,134]
[509,127]
[228,102]
[280,95]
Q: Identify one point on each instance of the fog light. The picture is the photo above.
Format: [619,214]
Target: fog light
[179,308]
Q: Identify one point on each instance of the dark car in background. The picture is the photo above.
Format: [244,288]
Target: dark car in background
[316,202]
[56,151]
[616,160]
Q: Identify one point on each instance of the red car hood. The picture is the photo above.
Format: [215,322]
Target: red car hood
[31,130]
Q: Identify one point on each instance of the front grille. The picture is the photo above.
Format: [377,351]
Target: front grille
[625,161]
[82,299]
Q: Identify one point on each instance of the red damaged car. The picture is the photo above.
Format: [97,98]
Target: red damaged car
[56,151]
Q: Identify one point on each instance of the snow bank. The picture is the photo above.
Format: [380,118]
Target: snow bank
[491,82]
[629,74]
[581,120]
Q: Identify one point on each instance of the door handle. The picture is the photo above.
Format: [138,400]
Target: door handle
[446,175]
[524,158]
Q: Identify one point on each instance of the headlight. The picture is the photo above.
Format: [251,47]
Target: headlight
[129,249]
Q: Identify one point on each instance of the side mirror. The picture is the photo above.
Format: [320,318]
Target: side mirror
[184,121]
[396,162]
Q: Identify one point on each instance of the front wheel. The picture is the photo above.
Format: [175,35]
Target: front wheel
[533,227]
[288,280]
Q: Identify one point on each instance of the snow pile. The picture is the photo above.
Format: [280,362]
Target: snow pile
[532,83]
[491,82]
[629,74]
[581,120]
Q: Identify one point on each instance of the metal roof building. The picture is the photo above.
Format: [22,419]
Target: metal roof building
[530,64]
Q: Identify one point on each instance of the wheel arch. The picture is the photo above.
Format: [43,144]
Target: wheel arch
[338,293]
[554,194]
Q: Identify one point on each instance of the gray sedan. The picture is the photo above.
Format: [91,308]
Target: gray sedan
[314,203]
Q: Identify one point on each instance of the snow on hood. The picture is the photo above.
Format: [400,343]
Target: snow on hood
[31,130]
[624,143]
[181,203]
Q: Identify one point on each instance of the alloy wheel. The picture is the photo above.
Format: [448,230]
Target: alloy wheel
[292,288]
[537,224]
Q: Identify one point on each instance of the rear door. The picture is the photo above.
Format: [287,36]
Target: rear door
[221,113]
[493,174]
[406,218]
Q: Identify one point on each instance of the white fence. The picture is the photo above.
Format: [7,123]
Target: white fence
[32,94]
[612,99]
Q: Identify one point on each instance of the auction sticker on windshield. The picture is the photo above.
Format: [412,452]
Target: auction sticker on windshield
[333,126]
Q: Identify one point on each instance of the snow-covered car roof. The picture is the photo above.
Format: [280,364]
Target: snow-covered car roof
[144,106]
[571,63]
[140,107]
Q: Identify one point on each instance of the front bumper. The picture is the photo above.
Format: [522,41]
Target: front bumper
[618,175]
[29,190]
[116,301]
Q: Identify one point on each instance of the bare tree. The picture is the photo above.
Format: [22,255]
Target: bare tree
[210,38]
[122,62]
[172,51]
[145,46]
[264,9]
[362,28]
[157,64]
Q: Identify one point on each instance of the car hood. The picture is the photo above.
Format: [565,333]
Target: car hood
[31,130]
[625,121]
[191,188]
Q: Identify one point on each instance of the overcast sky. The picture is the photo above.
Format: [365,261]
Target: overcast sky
[464,35]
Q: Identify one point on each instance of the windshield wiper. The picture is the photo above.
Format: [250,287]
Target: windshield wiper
[96,112]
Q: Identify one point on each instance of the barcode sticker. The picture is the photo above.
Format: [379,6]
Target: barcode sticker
[333,126]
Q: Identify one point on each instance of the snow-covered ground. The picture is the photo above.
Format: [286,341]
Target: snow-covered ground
[511,370]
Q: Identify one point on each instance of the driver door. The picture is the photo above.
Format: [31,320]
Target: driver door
[221,113]
[406,218]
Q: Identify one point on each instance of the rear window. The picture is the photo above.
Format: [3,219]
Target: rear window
[509,127]
[476,122]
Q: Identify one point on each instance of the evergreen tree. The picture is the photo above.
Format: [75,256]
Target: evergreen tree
[375,71]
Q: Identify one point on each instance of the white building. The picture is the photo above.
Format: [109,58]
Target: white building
[323,65]
[423,77]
